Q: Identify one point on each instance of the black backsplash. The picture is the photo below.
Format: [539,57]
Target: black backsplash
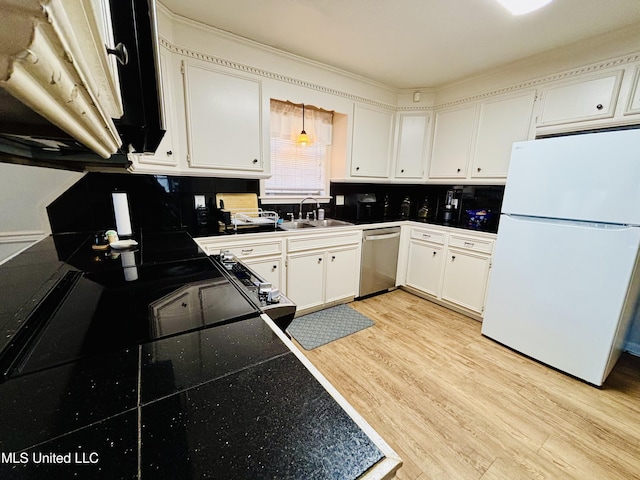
[156,202]
[162,202]
[471,197]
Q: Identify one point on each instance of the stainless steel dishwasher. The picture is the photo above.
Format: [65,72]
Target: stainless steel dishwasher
[379,260]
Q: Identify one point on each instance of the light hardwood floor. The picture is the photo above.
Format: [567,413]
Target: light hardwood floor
[454,404]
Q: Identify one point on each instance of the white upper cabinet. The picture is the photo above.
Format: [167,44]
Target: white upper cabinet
[224,119]
[413,145]
[452,139]
[372,141]
[502,121]
[580,100]
[633,105]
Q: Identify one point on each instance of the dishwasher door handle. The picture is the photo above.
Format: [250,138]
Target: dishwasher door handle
[385,236]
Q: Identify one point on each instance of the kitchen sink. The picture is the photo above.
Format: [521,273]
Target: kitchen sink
[295,225]
[329,222]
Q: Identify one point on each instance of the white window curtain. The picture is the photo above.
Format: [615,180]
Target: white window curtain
[298,170]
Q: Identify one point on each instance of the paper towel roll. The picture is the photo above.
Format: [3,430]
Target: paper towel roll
[128,260]
[121,211]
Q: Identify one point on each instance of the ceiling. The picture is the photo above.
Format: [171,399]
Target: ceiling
[410,43]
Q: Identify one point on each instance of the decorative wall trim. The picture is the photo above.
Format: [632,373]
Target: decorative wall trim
[565,75]
[270,75]
[21,237]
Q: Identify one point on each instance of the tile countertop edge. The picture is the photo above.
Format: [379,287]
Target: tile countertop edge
[385,468]
[201,241]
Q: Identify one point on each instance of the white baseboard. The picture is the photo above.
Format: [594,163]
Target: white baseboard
[21,237]
[14,243]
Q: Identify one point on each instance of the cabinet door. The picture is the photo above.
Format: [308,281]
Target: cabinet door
[223,119]
[341,275]
[269,269]
[465,279]
[165,154]
[412,145]
[371,148]
[452,138]
[633,105]
[424,269]
[580,101]
[503,121]
[305,279]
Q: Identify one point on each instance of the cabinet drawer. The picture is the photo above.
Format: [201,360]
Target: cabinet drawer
[471,243]
[297,244]
[244,250]
[432,236]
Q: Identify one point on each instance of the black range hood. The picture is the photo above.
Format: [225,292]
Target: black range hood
[28,138]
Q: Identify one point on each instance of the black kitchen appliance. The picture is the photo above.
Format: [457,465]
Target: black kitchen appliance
[107,301]
[363,207]
[261,293]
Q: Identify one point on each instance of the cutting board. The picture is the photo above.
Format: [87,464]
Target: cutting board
[238,202]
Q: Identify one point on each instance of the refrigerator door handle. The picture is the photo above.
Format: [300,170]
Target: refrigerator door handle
[574,223]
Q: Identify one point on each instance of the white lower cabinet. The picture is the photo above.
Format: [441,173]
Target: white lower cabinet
[465,278]
[306,279]
[269,268]
[450,266]
[424,269]
[263,256]
[323,269]
[320,277]
[341,273]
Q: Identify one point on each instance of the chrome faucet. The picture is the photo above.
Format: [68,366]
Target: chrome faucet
[307,198]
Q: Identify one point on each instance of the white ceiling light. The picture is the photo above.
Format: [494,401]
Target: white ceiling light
[520,7]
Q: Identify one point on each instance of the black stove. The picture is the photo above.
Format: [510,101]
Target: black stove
[114,305]
[260,292]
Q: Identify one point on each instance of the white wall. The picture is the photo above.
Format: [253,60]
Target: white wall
[25,193]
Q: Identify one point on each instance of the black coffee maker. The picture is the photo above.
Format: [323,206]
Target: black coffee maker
[366,207]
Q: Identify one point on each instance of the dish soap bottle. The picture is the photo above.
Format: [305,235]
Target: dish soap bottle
[423,213]
[405,207]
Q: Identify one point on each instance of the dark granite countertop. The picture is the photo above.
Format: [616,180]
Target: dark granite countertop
[229,401]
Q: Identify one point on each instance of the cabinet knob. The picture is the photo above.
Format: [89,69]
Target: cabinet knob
[453,257]
[357,168]
[402,171]
[333,257]
[120,52]
[458,170]
[434,253]
[255,160]
[169,153]
[275,267]
[599,106]
[479,169]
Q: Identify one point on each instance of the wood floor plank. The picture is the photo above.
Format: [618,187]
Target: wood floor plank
[455,404]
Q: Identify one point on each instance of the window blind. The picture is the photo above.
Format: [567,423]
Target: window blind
[298,170]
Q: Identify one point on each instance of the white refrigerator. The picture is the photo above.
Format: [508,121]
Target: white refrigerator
[565,280]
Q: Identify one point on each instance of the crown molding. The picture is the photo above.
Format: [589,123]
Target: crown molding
[529,84]
[556,77]
[222,62]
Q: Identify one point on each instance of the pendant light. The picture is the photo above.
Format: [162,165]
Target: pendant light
[303,139]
